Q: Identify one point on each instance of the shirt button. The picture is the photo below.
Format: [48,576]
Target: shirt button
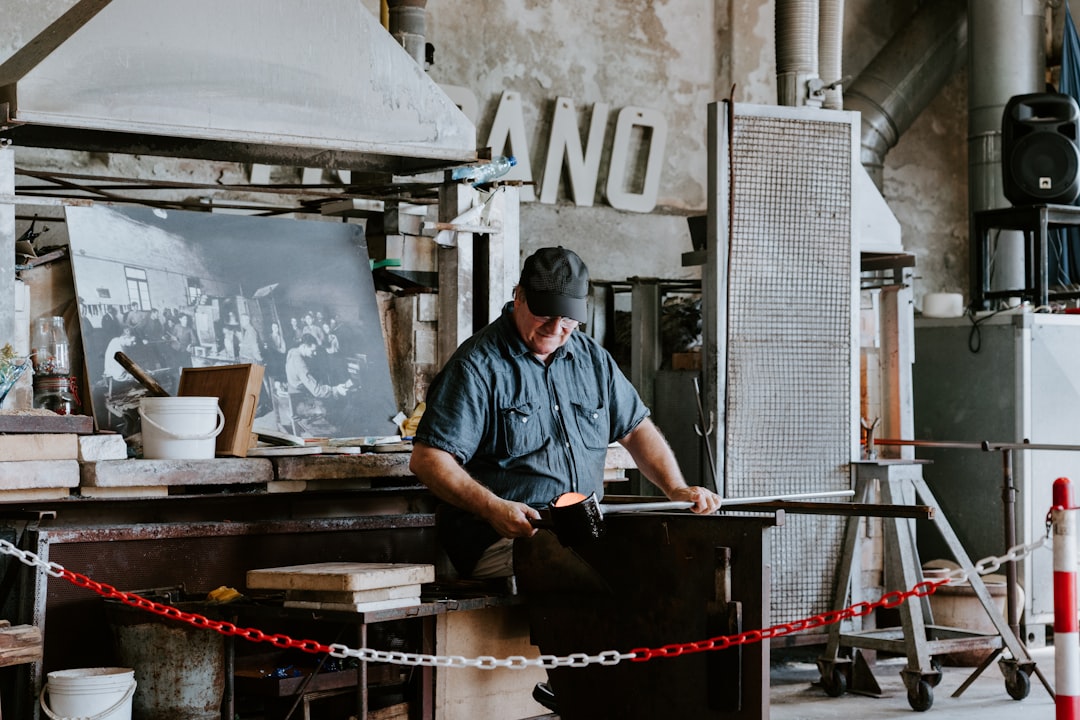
[567,444]
[524,420]
[595,415]
[556,408]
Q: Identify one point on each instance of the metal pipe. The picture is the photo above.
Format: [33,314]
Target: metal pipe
[408,24]
[830,52]
[905,76]
[615,508]
[971,445]
[796,49]
[1006,57]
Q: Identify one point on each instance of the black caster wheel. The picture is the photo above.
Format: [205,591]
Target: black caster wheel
[836,684]
[1018,685]
[921,697]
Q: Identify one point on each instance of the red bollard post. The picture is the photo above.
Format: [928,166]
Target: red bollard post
[1066,631]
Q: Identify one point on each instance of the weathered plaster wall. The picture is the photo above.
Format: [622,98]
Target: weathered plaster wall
[656,55]
[677,57]
[925,185]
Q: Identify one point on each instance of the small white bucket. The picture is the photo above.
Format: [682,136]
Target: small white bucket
[89,694]
[180,428]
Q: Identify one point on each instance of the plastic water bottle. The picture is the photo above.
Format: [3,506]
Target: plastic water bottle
[480,174]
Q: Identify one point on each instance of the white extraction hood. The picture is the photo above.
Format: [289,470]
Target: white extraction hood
[305,83]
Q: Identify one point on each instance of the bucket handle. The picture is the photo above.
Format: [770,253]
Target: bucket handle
[103,714]
[182,436]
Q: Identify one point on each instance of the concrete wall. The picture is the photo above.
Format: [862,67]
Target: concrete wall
[677,57]
[674,57]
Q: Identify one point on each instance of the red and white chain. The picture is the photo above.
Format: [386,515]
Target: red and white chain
[517,662]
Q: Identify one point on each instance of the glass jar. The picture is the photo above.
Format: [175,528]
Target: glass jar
[50,347]
[57,393]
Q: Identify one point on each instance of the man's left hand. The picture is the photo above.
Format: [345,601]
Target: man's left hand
[705,500]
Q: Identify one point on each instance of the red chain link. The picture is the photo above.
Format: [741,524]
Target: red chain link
[888,600]
[199,621]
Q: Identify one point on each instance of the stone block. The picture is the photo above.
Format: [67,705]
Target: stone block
[39,446]
[102,447]
[28,474]
[169,473]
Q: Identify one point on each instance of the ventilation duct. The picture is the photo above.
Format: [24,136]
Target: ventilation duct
[830,50]
[796,49]
[905,76]
[407,21]
[1007,57]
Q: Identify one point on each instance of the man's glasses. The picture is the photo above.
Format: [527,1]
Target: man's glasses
[564,322]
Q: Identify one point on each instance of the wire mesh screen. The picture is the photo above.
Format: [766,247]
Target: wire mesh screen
[789,345]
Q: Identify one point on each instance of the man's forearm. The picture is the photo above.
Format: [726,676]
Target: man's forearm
[441,473]
[654,457]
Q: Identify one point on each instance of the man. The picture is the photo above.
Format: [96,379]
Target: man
[123,342]
[298,374]
[523,412]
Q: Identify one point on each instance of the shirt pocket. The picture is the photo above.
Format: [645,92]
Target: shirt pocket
[593,426]
[522,429]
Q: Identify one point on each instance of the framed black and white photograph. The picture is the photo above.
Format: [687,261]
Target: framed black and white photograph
[174,289]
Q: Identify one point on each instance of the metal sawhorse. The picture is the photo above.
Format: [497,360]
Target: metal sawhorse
[901,482]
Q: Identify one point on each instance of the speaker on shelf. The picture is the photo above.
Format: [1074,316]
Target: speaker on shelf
[1040,158]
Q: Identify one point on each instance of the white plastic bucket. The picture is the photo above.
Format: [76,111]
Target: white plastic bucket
[180,428]
[89,694]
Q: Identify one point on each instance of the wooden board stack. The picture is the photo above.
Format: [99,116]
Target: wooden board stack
[345,586]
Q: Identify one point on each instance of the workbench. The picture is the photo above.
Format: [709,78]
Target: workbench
[353,629]
[201,524]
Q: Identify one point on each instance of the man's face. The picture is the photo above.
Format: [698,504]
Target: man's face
[542,335]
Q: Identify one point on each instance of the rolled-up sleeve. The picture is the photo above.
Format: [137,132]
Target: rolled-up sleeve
[456,412]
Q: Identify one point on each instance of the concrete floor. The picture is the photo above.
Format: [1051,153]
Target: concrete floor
[795,694]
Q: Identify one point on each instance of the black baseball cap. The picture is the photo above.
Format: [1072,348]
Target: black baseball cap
[556,282]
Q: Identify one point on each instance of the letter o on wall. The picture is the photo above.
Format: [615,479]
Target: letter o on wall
[617,194]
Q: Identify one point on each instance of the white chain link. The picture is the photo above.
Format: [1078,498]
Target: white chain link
[29,558]
[992,564]
[518,662]
[483,662]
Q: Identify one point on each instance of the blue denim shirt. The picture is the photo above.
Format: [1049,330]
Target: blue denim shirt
[526,430]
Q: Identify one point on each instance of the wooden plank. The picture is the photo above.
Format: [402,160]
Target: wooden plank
[20,644]
[373,606]
[43,421]
[39,446]
[15,636]
[340,576]
[339,467]
[237,388]
[167,473]
[360,596]
[89,491]
[391,712]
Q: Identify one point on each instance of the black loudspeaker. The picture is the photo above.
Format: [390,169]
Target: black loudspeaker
[1040,160]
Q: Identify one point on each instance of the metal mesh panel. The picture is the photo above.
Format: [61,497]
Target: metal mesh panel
[789,359]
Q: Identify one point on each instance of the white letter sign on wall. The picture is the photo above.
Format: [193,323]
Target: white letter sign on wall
[509,125]
[617,193]
[565,141]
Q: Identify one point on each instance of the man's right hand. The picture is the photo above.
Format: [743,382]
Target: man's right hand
[511,519]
